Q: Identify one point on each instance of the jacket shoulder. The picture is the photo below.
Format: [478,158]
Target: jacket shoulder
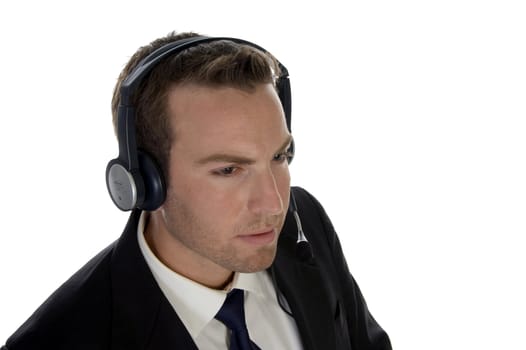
[364,332]
[78,312]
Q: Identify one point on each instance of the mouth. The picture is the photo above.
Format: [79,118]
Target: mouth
[259,238]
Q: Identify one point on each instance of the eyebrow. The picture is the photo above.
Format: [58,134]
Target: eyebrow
[232,158]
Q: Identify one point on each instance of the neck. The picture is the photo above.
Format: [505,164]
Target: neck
[180,259]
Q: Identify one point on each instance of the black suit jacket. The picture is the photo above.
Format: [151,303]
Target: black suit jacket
[113,302]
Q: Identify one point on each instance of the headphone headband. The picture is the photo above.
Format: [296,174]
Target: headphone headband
[129,85]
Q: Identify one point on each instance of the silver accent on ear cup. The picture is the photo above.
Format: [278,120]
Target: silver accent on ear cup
[122,188]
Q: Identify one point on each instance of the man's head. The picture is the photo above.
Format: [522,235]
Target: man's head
[214,64]
[212,119]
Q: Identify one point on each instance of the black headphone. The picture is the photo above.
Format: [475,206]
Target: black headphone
[133,179]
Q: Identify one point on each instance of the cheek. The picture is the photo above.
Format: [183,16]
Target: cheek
[214,206]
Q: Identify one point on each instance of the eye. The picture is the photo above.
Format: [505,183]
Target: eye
[226,171]
[282,157]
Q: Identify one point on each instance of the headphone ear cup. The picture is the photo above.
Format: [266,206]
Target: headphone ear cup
[154,185]
[125,187]
[284,93]
[291,152]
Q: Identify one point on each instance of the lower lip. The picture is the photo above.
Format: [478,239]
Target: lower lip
[259,239]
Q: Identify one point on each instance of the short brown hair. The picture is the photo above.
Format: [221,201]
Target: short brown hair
[215,64]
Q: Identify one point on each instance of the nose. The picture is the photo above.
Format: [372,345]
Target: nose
[265,195]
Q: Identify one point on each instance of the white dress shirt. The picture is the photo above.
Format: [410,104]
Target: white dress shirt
[196,305]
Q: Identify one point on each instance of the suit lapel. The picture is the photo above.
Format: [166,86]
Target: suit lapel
[311,302]
[142,317]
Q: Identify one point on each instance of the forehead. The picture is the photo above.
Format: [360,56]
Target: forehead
[205,114]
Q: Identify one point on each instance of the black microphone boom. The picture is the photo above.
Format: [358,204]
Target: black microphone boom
[303,248]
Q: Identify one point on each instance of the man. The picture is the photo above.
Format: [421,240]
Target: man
[213,255]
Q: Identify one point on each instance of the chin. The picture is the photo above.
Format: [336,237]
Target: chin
[259,262]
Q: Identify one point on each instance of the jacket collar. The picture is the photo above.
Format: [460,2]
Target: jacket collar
[142,317]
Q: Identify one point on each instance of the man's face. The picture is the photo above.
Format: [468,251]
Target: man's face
[229,177]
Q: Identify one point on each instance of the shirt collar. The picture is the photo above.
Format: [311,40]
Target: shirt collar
[195,304]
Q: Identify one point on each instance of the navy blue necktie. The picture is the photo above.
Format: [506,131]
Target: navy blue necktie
[232,314]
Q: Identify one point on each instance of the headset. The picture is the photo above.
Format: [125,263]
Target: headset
[133,179]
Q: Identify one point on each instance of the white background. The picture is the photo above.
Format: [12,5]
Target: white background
[409,118]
